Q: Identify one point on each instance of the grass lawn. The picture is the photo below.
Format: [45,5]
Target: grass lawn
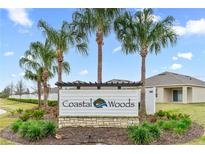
[5,120]
[197,112]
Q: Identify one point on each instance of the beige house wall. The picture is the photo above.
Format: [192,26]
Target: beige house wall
[198,94]
[189,94]
[160,94]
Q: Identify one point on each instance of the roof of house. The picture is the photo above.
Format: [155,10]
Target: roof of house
[169,78]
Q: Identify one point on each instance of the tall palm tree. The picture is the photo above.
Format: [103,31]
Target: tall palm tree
[99,21]
[42,59]
[141,33]
[33,70]
[64,39]
[35,75]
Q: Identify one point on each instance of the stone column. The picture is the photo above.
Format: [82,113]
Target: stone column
[184,94]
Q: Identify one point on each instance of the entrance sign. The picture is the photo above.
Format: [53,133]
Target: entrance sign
[98,102]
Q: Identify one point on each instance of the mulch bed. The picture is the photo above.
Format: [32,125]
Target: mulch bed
[84,135]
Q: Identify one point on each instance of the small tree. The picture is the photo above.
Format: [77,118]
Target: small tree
[5,92]
[20,88]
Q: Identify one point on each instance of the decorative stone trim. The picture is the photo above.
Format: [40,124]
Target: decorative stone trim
[121,122]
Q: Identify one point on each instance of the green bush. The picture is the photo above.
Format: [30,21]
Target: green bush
[169,125]
[16,125]
[25,116]
[34,114]
[145,133]
[50,128]
[140,135]
[154,131]
[24,128]
[160,122]
[33,101]
[160,113]
[34,129]
[52,103]
[38,114]
[19,111]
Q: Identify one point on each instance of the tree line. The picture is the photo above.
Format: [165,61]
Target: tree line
[15,89]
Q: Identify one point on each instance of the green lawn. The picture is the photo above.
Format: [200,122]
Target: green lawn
[197,112]
[5,120]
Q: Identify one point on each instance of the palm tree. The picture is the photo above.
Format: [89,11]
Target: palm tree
[35,75]
[141,33]
[99,21]
[63,40]
[41,58]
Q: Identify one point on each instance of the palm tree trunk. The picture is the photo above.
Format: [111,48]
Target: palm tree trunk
[45,91]
[39,93]
[99,40]
[60,60]
[142,114]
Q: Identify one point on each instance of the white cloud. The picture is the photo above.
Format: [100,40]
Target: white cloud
[185,55]
[117,49]
[175,58]
[8,53]
[83,72]
[175,66]
[20,16]
[191,27]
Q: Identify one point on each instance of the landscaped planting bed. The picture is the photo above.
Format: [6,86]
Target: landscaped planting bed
[162,128]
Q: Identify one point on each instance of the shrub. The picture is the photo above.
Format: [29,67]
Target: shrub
[50,128]
[25,116]
[19,111]
[33,101]
[38,114]
[144,133]
[16,125]
[24,128]
[160,113]
[154,131]
[182,125]
[187,121]
[34,129]
[169,125]
[140,135]
[52,103]
[160,123]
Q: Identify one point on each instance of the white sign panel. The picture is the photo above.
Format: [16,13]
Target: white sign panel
[98,103]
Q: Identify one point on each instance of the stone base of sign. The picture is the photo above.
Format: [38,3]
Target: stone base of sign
[121,122]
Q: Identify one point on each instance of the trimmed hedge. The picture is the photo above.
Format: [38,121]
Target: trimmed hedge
[33,101]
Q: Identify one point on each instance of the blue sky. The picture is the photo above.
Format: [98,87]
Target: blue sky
[18,27]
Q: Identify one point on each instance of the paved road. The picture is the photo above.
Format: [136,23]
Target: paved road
[2,111]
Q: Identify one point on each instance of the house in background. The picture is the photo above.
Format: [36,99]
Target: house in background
[172,87]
